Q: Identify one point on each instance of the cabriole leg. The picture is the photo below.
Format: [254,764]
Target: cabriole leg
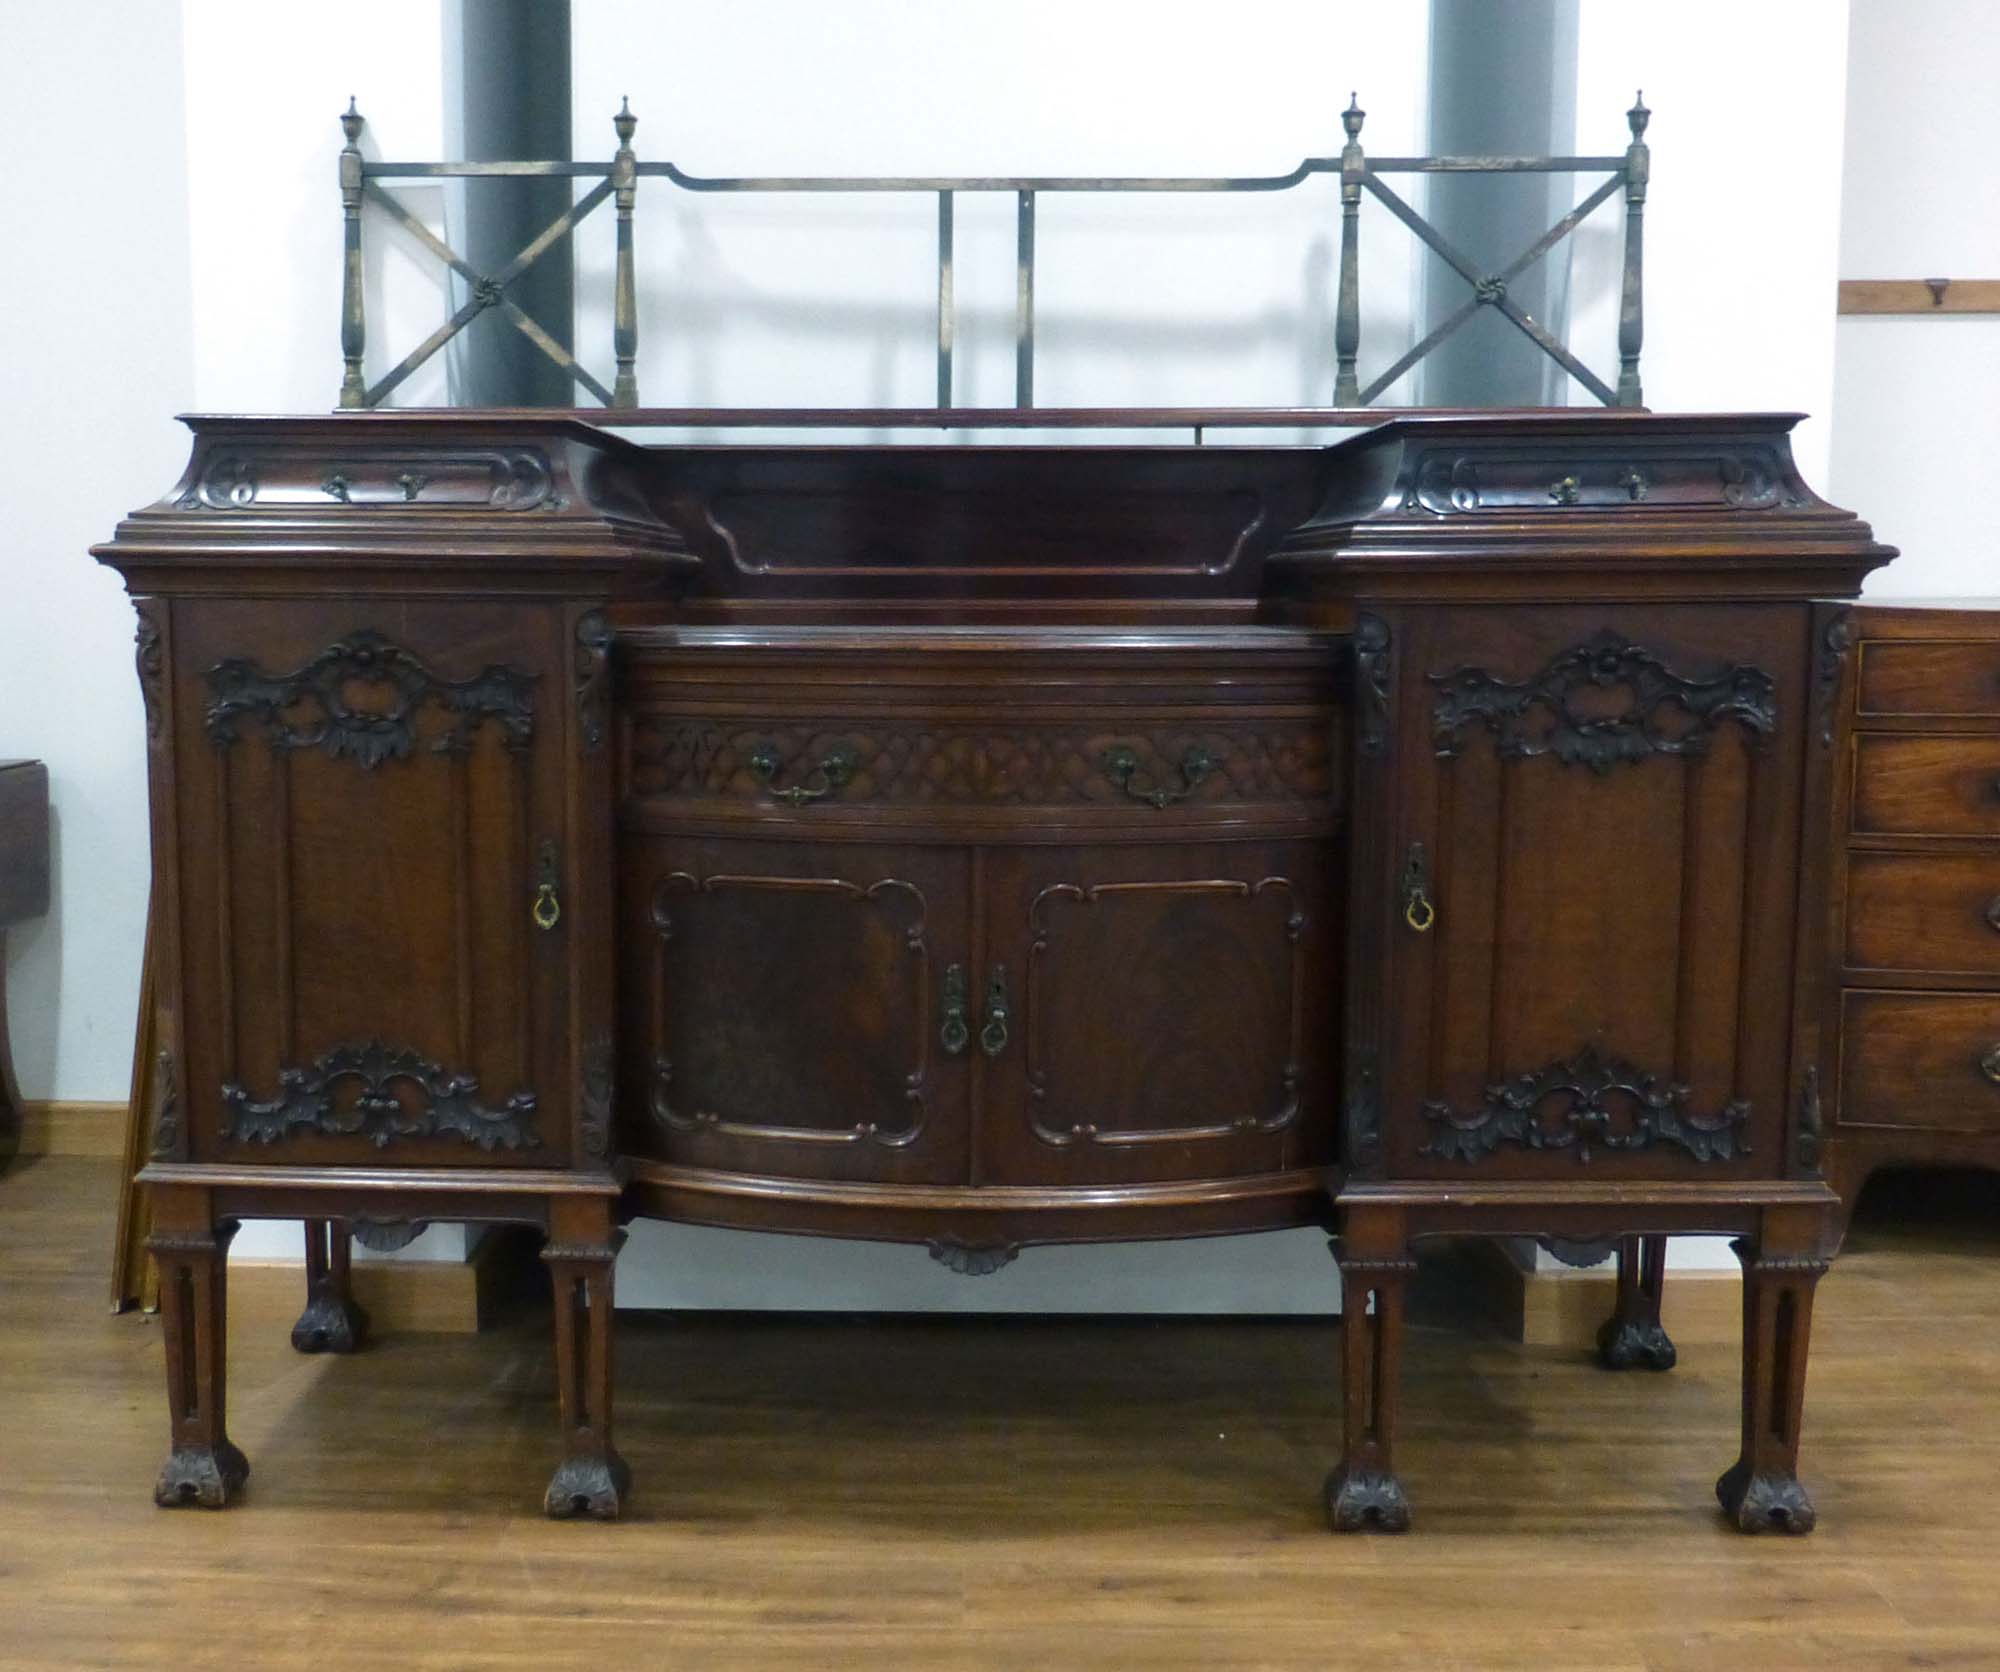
[1364,1494]
[331,1322]
[203,1467]
[592,1478]
[1632,1337]
[1762,1492]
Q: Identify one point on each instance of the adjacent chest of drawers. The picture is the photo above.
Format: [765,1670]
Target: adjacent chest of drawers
[1916,945]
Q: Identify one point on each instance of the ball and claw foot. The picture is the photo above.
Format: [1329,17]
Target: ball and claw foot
[1765,1503]
[1366,1500]
[330,1325]
[198,1476]
[592,1486]
[1627,1344]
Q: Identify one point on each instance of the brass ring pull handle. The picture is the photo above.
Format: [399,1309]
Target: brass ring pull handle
[547,909]
[835,770]
[1993,914]
[1989,1064]
[993,1036]
[954,1035]
[1121,766]
[1418,911]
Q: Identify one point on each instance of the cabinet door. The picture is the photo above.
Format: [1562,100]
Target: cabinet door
[1586,907]
[1165,1011]
[372,798]
[789,1007]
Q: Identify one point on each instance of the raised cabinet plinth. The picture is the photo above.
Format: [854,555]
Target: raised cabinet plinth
[980,847]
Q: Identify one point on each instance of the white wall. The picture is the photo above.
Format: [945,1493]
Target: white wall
[1916,424]
[1185,300]
[94,290]
[1743,215]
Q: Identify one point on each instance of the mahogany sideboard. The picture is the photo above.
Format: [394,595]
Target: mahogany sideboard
[984,845]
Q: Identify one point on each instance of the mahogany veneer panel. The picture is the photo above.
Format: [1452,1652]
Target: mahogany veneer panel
[1925,677]
[1936,913]
[1927,1061]
[1927,786]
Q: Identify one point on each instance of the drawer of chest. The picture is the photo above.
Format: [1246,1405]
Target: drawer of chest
[1920,1061]
[1110,761]
[1942,677]
[1931,913]
[1927,786]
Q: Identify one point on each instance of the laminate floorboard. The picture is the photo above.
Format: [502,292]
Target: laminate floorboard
[945,1495]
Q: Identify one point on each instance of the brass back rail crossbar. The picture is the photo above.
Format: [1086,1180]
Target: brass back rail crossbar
[617,180]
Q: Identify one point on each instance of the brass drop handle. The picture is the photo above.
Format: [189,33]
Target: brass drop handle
[1121,766]
[1993,914]
[1989,1064]
[993,1036]
[1418,911]
[547,909]
[954,1035]
[835,770]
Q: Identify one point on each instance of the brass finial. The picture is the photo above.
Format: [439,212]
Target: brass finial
[1351,117]
[624,121]
[1638,116]
[351,120]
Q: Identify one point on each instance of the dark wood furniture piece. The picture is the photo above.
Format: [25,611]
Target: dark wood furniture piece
[1914,965]
[982,846]
[1911,981]
[24,894]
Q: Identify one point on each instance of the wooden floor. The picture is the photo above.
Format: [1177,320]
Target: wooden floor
[942,1495]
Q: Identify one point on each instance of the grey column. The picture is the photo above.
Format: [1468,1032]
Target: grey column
[512,60]
[1502,83]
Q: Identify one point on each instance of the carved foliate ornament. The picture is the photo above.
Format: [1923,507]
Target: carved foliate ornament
[240,690]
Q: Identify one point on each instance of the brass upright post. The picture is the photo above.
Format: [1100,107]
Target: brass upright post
[1347,317]
[1631,305]
[625,305]
[353,325]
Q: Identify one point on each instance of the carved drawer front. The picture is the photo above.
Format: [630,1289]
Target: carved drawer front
[1161,1014]
[1587,901]
[799,763]
[1943,677]
[980,729]
[786,1009]
[1927,786]
[376,908]
[1920,1061]
[1930,914]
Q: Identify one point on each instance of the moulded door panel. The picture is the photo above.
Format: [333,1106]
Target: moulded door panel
[786,1007]
[1168,1012]
[372,796]
[1591,896]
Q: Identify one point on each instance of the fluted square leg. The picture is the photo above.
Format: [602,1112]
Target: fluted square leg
[1363,1494]
[202,1468]
[592,1478]
[1761,1493]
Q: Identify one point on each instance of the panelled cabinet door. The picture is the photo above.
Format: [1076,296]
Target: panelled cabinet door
[372,883]
[797,1009]
[1588,897]
[1154,1012]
